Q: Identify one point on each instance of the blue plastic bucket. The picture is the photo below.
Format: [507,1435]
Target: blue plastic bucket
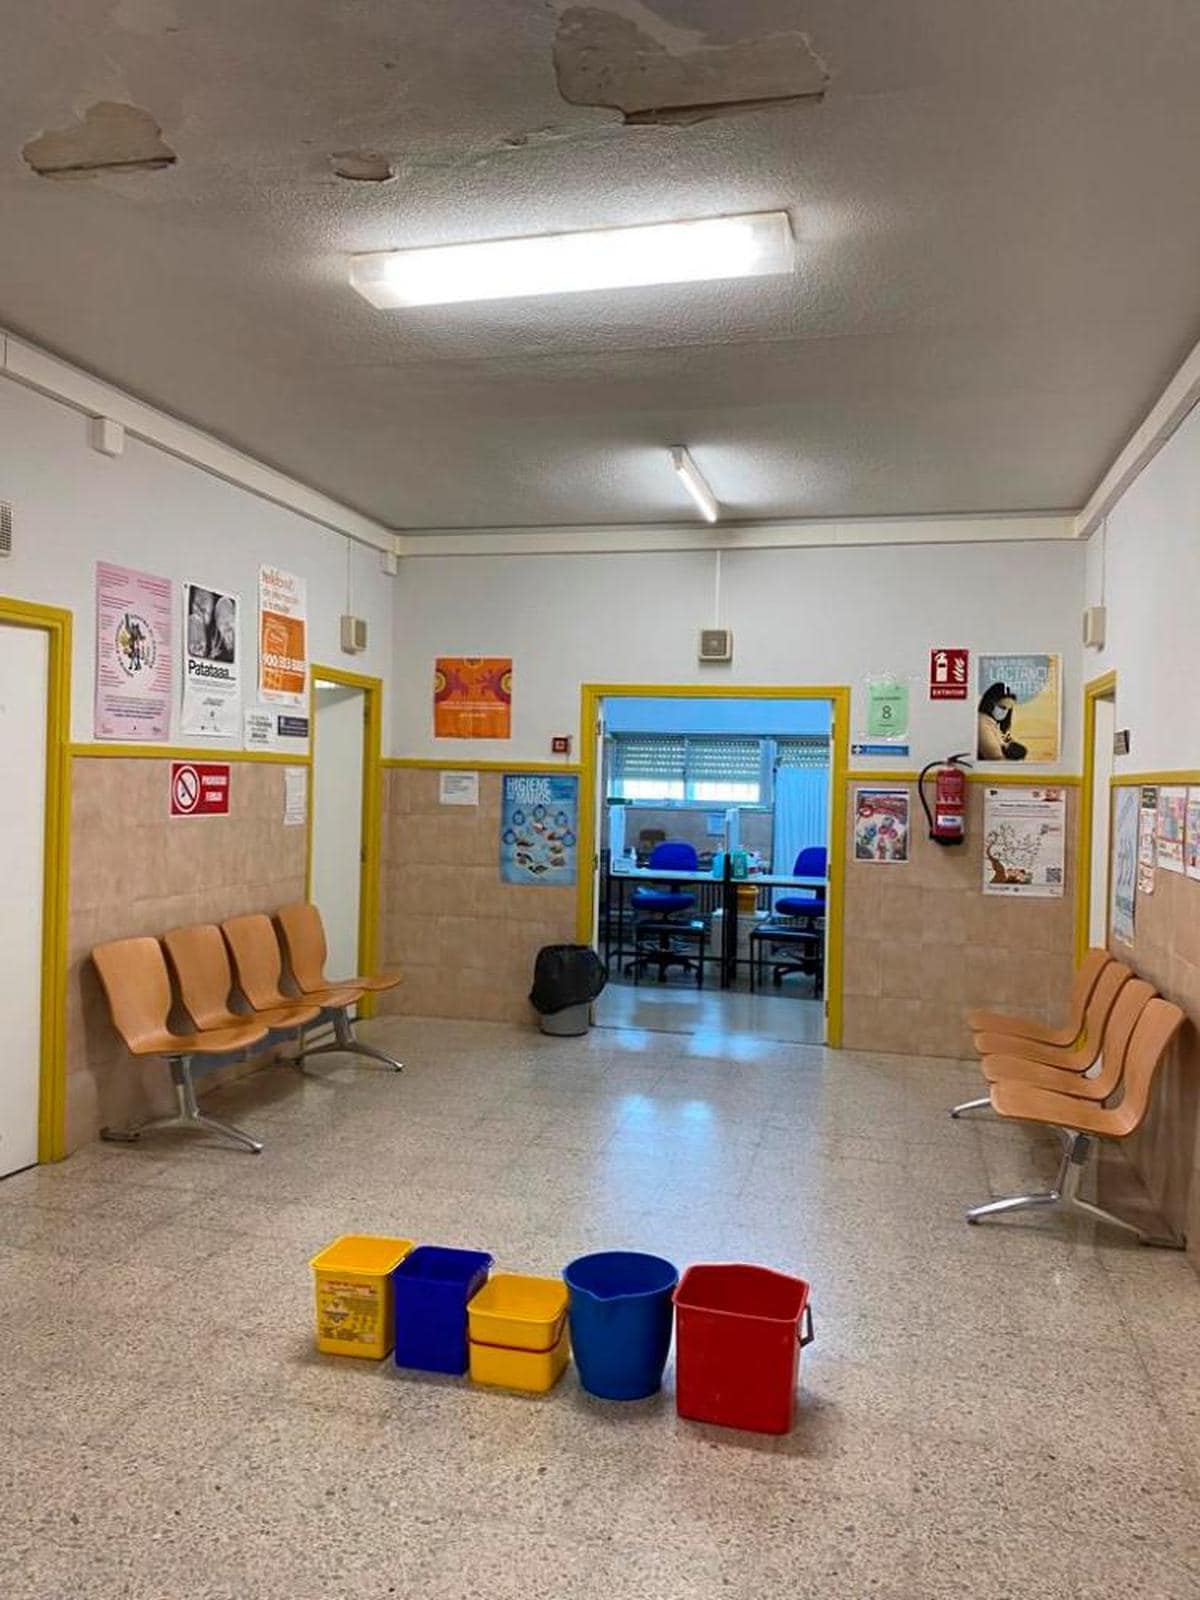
[621,1321]
[431,1287]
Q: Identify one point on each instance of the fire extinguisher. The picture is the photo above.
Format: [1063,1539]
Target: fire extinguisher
[948,818]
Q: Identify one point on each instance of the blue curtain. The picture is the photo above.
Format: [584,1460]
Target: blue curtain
[801,813]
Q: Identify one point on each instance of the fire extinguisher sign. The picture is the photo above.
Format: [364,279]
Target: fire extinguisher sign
[948,674]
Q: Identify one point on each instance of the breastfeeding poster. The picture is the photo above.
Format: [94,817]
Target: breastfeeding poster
[282,638]
[539,823]
[472,697]
[1019,716]
[212,694]
[133,655]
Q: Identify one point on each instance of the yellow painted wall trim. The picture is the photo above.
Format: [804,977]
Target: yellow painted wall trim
[172,752]
[424,762]
[1102,688]
[1030,779]
[892,776]
[1123,780]
[590,696]
[372,811]
[56,878]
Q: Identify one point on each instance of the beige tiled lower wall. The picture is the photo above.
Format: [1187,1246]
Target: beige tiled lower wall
[465,941]
[136,870]
[923,942]
[1166,1149]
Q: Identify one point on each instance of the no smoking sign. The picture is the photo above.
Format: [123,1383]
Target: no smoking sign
[199,788]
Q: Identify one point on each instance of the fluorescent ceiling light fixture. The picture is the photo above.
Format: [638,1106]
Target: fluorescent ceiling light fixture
[694,482]
[756,245]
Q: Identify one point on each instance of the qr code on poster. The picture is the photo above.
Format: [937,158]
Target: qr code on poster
[1053,874]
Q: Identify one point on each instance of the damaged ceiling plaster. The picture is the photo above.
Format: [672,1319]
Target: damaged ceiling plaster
[625,58]
[362,166]
[110,137]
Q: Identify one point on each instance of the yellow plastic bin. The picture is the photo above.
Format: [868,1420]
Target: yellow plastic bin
[534,1371]
[518,1332]
[354,1294]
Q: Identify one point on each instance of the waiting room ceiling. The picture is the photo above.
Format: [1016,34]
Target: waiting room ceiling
[998,246]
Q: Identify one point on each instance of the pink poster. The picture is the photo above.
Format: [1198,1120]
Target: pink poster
[133,654]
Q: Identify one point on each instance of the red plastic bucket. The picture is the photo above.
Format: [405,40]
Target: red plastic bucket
[737,1346]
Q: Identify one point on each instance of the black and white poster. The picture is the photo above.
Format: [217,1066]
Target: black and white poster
[212,696]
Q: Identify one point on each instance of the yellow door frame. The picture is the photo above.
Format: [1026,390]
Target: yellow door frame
[372,810]
[590,696]
[56,878]
[1102,688]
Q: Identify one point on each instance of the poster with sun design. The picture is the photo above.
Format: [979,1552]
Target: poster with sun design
[472,697]
[539,824]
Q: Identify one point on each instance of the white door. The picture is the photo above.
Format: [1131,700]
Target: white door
[24,688]
[337,802]
[1106,721]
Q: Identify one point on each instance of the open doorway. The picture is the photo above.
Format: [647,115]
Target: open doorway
[713,823]
[344,816]
[1099,730]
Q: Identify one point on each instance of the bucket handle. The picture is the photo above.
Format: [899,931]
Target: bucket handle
[808,1335]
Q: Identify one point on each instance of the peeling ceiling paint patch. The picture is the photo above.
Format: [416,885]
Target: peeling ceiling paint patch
[110,137]
[602,58]
[362,166]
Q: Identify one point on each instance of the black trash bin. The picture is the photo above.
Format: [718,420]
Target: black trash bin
[566,979]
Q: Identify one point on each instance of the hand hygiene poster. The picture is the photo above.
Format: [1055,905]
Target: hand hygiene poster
[1020,708]
[472,697]
[282,638]
[133,655]
[539,821]
[212,697]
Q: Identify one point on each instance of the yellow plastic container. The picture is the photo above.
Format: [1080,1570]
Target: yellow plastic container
[354,1294]
[534,1371]
[518,1312]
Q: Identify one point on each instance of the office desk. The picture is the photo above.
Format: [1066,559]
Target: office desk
[722,893]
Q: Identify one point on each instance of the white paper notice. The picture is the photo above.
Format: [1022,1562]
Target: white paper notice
[295,796]
[258,730]
[458,788]
[1024,841]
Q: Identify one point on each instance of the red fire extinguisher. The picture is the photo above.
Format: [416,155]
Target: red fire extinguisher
[948,818]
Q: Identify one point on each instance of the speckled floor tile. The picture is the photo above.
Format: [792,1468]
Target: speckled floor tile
[1001,1413]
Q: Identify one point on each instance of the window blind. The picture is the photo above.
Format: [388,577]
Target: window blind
[802,750]
[727,760]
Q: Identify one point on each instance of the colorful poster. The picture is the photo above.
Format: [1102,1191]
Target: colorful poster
[887,708]
[881,825]
[539,824]
[1024,842]
[133,655]
[472,697]
[212,696]
[282,638]
[1172,818]
[1124,863]
[1019,715]
[1147,829]
[1191,835]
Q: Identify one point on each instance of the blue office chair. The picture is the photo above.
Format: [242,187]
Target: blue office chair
[812,862]
[662,913]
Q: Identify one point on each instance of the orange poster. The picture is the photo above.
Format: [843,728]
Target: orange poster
[282,638]
[472,697]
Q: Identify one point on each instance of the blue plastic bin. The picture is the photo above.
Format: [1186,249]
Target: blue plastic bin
[621,1320]
[431,1287]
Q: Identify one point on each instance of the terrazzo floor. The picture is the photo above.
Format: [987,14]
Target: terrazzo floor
[1006,1413]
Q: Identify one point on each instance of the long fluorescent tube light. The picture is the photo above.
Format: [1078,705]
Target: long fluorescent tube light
[694,482]
[755,245]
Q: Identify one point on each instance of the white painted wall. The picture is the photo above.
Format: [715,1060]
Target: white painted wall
[24,686]
[337,798]
[1146,568]
[73,507]
[798,617]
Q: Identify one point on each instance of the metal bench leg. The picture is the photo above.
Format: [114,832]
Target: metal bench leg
[971,1105]
[188,1114]
[345,1043]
